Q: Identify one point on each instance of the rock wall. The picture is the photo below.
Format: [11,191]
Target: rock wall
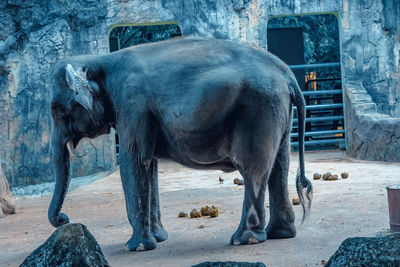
[35,34]
[370,63]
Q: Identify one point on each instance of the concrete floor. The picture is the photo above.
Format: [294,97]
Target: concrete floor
[356,206]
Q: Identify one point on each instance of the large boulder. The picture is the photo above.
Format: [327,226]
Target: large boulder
[7,202]
[70,245]
[368,251]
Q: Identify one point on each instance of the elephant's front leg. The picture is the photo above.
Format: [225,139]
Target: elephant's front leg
[156,227]
[136,182]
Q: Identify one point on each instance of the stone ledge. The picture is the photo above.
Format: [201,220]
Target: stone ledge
[370,135]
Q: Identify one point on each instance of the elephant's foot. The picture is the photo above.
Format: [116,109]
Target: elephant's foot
[280,230]
[159,233]
[248,237]
[141,243]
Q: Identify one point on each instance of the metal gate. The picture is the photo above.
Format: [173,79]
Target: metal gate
[324,112]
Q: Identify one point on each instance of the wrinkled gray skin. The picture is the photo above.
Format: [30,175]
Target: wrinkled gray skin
[207,104]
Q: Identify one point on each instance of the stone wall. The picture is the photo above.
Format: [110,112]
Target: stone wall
[35,34]
[370,62]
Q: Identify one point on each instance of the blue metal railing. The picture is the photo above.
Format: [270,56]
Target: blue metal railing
[323,106]
[319,133]
[335,136]
[312,66]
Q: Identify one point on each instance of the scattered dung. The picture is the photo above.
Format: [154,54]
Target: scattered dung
[296,201]
[213,212]
[195,214]
[238,181]
[205,211]
[182,214]
[333,177]
[201,226]
[326,176]
[202,212]
[317,176]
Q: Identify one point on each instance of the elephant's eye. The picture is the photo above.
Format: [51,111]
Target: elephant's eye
[58,110]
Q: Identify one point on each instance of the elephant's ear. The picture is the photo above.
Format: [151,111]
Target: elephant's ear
[77,81]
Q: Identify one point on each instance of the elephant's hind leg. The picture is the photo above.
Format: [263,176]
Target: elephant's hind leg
[251,229]
[254,158]
[156,227]
[281,222]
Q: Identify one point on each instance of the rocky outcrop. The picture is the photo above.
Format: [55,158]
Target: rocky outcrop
[36,34]
[370,135]
[368,251]
[7,202]
[70,245]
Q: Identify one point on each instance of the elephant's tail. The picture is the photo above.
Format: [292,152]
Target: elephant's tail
[302,183]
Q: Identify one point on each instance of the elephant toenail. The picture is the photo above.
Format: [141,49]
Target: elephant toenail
[140,247]
[252,240]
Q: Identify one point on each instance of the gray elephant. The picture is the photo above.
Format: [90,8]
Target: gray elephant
[207,104]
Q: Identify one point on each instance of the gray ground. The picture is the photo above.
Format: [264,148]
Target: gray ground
[341,209]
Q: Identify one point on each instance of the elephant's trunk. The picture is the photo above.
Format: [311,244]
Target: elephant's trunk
[61,161]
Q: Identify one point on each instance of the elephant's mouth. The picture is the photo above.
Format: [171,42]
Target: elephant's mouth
[71,144]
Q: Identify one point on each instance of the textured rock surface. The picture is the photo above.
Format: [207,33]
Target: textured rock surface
[370,62]
[371,135]
[7,202]
[35,34]
[368,251]
[229,264]
[69,245]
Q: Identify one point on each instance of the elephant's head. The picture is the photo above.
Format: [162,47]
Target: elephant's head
[80,107]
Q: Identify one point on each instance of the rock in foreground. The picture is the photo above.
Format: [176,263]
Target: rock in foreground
[70,245]
[229,264]
[368,251]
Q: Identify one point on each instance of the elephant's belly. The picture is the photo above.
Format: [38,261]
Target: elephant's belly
[198,151]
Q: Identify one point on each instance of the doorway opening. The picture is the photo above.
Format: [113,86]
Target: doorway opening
[309,44]
[127,35]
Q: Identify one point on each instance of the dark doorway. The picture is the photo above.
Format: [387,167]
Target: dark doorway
[310,46]
[287,43]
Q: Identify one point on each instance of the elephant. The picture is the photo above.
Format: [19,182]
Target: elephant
[203,103]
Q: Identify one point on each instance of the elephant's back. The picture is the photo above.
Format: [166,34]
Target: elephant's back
[197,52]
[196,82]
